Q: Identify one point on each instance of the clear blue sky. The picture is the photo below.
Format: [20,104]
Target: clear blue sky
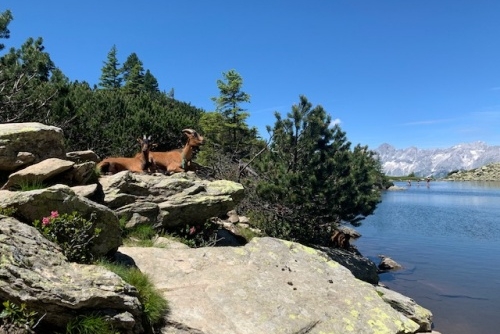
[422,73]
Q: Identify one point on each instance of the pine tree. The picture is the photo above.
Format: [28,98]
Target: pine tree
[25,90]
[111,72]
[150,82]
[310,179]
[5,18]
[237,136]
[133,74]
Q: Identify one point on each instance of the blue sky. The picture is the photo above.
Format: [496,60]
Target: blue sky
[421,73]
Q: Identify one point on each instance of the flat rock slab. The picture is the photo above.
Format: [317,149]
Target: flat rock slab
[267,286]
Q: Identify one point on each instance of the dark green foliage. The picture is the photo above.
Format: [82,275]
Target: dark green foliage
[199,235]
[5,19]
[310,178]
[15,317]
[150,82]
[111,77]
[25,90]
[133,74]
[89,324]
[73,233]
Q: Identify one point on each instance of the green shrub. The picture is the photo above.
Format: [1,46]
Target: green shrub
[73,233]
[89,324]
[155,306]
[13,315]
[9,211]
[200,235]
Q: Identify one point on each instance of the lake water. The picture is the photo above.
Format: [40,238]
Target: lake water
[447,237]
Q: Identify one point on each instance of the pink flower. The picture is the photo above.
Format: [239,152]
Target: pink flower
[45,221]
[54,214]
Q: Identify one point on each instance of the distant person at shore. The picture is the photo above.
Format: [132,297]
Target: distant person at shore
[409,183]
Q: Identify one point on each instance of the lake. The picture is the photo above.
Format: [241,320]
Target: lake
[447,237]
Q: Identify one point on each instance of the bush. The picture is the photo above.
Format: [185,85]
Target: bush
[73,233]
[14,316]
[89,324]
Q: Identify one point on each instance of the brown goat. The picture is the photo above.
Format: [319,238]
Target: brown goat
[178,160]
[340,239]
[140,163]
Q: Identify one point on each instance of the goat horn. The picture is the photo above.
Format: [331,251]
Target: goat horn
[188,130]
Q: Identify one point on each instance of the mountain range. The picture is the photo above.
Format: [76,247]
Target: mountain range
[436,162]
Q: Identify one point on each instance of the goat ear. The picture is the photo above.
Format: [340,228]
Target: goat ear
[144,137]
[149,138]
[190,131]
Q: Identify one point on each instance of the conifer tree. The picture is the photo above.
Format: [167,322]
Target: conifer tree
[236,138]
[310,179]
[25,90]
[150,82]
[111,72]
[133,74]
[5,18]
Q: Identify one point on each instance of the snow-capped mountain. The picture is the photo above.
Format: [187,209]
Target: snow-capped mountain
[436,162]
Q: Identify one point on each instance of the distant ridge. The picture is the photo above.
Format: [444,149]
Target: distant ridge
[436,162]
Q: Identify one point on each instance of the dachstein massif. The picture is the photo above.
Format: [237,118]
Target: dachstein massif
[436,163]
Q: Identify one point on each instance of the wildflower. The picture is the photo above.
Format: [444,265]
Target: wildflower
[192,230]
[54,214]
[45,221]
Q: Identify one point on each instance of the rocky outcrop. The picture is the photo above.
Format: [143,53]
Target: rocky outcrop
[168,201]
[267,286]
[34,272]
[489,172]
[36,204]
[23,144]
[361,267]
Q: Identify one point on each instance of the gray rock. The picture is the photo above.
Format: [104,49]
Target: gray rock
[35,272]
[36,204]
[22,144]
[386,263]
[82,156]
[361,267]
[268,286]
[39,172]
[169,201]
[408,307]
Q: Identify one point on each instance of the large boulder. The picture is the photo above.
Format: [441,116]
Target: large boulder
[23,144]
[267,286]
[34,272]
[361,267]
[169,201]
[36,204]
[38,173]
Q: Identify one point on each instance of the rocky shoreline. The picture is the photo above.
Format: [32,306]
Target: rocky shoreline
[490,172]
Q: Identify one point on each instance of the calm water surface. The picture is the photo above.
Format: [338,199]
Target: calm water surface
[447,237]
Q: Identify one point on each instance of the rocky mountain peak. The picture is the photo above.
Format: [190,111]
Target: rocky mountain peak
[436,162]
